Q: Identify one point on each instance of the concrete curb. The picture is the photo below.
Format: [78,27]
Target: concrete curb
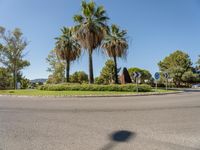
[90,96]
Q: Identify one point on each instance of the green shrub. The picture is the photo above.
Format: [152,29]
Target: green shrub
[88,87]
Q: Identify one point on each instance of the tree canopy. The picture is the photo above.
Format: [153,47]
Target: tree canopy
[12,51]
[107,74]
[5,78]
[145,74]
[79,77]
[176,64]
[56,68]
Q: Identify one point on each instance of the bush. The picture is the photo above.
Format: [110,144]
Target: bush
[88,87]
[79,77]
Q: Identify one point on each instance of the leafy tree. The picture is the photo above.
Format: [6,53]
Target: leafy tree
[79,77]
[5,78]
[176,64]
[99,80]
[25,83]
[145,74]
[90,29]
[56,68]
[67,48]
[107,74]
[12,52]
[1,46]
[189,77]
[198,62]
[115,45]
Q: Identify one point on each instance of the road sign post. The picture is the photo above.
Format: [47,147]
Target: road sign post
[137,85]
[137,75]
[157,77]
[156,85]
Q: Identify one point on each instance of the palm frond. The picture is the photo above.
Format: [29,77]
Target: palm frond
[67,47]
[115,43]
[91,7]
[100,11]
[91,25]
[78,18]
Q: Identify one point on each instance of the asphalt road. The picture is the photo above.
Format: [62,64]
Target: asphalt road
[170,122]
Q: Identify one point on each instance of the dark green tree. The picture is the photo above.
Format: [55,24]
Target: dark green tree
[99,80]
[176,64]
[24,82]
[79,77]
[107,75]
[90,29]
[145,74]
[5,78]
[189,78]
[12,52]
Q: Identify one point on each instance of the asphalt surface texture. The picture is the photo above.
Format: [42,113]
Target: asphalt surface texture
[165,122]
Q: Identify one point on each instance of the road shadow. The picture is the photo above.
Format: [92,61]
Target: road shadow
[118,137]
[192,90]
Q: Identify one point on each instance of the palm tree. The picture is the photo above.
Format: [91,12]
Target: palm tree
[67,48]
[90,29]
[115,45]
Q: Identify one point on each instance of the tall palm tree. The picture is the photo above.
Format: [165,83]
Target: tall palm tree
[115,45]
[90,29]
[67,48]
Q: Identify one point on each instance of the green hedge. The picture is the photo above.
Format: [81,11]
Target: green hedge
[88,87]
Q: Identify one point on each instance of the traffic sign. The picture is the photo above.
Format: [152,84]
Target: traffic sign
[137,74]
[166,75]
[157,75]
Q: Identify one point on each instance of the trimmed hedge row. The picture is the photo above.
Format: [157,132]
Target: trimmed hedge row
[88,87]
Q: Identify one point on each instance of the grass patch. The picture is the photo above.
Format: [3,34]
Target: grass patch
[72,93]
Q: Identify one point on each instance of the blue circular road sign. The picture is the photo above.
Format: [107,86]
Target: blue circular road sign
[157,75]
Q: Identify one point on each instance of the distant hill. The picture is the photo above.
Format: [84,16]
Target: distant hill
[38,80]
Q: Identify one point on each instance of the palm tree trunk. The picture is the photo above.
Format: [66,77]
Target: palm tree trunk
[67,70]
[116,76]
[91,76]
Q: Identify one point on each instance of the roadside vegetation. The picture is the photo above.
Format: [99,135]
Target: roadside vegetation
[35,92]
[12,46]
[92,31]
[180,68]
[88,87]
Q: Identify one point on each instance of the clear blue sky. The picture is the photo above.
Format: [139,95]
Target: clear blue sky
[155,27]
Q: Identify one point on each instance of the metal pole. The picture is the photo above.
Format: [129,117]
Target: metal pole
[156,85]
[166,84]
[137,84]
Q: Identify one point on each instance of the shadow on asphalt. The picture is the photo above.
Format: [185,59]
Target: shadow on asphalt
[192,90]
[118,137]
